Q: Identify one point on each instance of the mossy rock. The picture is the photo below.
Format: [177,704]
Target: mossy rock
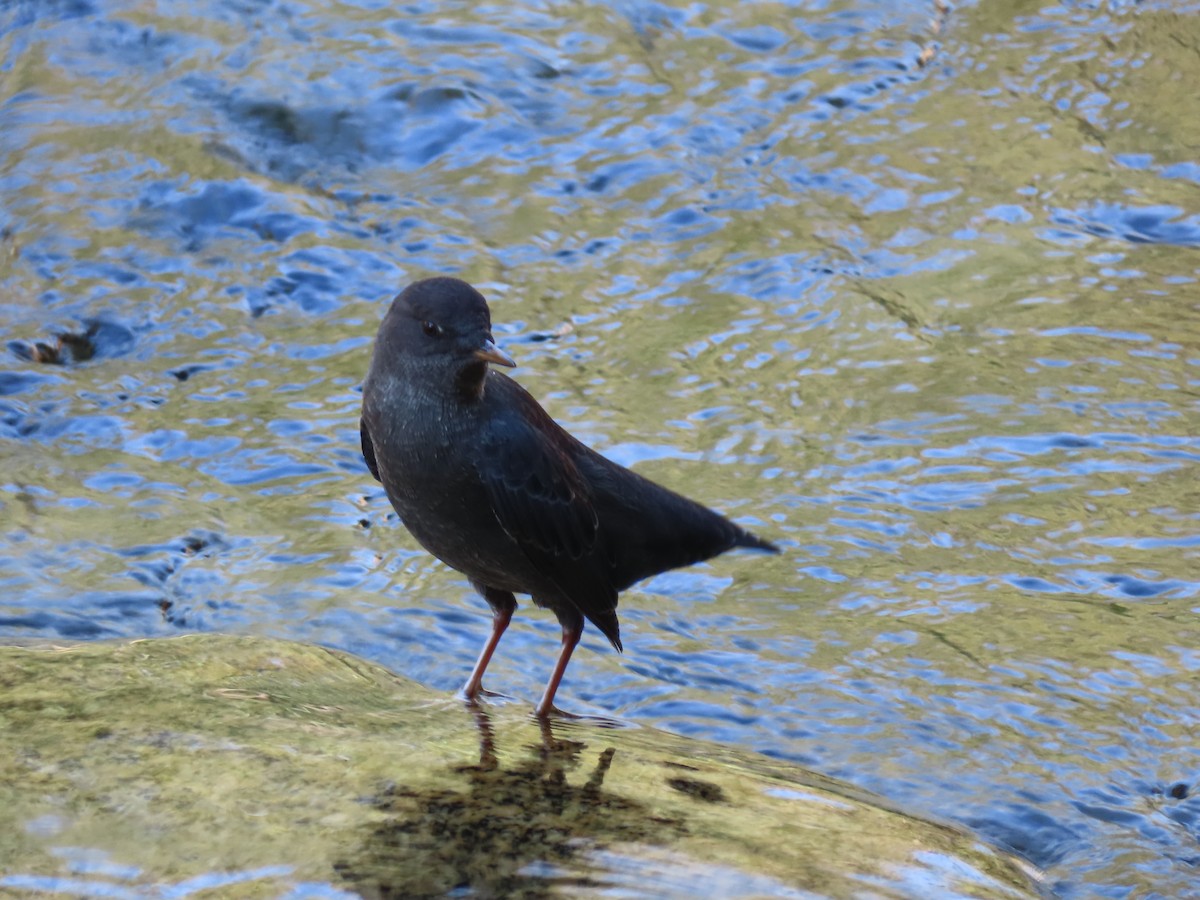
[245,767]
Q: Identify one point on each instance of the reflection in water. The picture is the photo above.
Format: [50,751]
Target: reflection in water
[502,830]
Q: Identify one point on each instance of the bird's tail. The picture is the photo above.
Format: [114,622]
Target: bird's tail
[606,621]
[753,542]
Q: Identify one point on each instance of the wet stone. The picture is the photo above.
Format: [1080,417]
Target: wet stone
[277,764]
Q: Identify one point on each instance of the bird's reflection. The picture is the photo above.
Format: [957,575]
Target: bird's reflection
[508,826]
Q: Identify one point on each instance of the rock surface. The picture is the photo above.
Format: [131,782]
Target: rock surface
[250,767]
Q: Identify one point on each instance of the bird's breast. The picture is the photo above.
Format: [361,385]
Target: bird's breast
[436,490]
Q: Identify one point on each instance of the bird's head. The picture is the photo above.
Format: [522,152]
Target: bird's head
[439,331]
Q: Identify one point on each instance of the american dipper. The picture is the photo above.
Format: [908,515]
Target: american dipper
[492,486]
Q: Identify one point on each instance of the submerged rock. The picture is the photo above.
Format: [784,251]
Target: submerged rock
[262,768]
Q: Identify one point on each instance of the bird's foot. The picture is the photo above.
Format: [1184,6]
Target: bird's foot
[482,693]
[553,712]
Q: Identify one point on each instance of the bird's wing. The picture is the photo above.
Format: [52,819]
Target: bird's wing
[543,503]
[368,448]
[537,493]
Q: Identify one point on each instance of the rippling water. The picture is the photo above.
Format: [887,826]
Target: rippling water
[910,289]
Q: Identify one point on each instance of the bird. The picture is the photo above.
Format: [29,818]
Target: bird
[486,481]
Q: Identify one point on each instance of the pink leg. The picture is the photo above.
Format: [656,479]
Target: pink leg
[500,619]
[570,637]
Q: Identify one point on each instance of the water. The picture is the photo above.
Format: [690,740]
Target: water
[930,326]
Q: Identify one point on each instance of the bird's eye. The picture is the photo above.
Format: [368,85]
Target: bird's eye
[433,329]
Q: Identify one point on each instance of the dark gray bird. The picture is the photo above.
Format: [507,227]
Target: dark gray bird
[488,483]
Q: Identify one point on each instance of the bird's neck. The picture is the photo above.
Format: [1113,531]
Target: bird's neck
[470,381]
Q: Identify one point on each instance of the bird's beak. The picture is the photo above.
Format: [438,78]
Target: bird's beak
[489,352]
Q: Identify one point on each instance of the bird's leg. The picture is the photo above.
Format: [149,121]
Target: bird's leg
[502,604]
[571,632]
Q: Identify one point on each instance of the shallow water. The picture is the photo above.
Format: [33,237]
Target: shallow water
[910,290]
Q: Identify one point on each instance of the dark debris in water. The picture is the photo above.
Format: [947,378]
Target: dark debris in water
[99,338]
[193,544]
[158,565]
[539,337]
[183,373]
